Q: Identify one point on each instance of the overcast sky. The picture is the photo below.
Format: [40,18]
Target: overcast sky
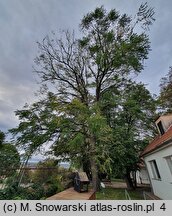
[23,22]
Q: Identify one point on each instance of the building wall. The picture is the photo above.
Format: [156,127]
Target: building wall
[161,187]
[142,176]
[166,121]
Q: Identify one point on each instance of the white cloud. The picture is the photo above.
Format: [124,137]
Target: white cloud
[22,23]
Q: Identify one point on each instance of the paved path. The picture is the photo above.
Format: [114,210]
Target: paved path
[71,194]
[116,184]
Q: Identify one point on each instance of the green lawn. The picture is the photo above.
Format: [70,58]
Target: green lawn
[118,194]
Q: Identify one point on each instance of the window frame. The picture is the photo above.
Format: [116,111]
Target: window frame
[155,170]
[169,162]
[161,128]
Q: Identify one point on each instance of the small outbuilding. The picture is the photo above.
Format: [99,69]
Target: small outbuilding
[81,182]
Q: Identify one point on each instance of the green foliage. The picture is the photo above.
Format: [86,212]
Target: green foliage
[165,97]
[132,123]
[46,170]
[38,124]
[36,190]
[13,192]
[9,192]
[145,15]
[112,48]
[118,194]
[76,74]
[2,138]
[130,113]
[9,158]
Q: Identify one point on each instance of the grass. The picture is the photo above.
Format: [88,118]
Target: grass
[118,194]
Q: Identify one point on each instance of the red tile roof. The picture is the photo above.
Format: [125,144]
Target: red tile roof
[158,142]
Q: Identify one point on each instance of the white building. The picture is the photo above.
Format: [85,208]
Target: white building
[158,159]
[142,176]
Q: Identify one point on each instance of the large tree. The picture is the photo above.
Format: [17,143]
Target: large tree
[130,114]
[75,73]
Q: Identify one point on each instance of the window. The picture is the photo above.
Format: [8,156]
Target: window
[161,129]
[155,171]
[169,162]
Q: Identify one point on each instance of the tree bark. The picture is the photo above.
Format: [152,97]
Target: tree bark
[94,168]
[95,178]
[128,181]
[87,166]
[135,180]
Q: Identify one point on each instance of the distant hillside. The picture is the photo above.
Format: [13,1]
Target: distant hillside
[34,164]
[65,165]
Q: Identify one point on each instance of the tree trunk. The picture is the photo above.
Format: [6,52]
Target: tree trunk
[135,179]
[128,181]
[95,178]
[94,169]
[87,166]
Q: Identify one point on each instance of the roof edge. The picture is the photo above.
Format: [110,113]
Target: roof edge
[158,147]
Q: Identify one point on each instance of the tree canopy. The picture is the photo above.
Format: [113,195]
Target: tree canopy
[130,114]
[76,73]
